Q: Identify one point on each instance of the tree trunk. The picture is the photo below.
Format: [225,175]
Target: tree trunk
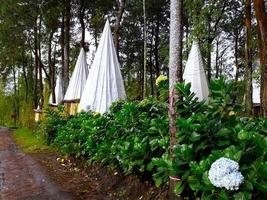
[36,61]
[217,66]
[236,65]
[15,115]
[51,68]
[151,60]
[62,44]
[209,59]
[145,51]
[24,66]
[40,66]
[65,69]
[248,69]
[261,67]
[121,6]
[81,19]
[236,56]
[175,75]
[156,48]
[261,17]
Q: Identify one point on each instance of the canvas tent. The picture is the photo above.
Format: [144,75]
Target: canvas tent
[78,79]
[58,93]
[256,93]
[77,83]
[194,73]
[104,84]
[256,99]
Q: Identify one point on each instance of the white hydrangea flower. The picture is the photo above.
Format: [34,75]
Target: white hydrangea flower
[225,173]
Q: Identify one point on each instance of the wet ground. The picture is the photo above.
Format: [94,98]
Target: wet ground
[21,177]
[49,176]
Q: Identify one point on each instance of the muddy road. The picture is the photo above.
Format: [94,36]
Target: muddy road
[21,178]
[51,176]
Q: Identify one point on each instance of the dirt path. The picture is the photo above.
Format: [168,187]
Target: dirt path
[21,178]
[49,176]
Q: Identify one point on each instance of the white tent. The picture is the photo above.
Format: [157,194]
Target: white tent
[78,79]
[194,73]
[104,84]
[58,93]
[256,93]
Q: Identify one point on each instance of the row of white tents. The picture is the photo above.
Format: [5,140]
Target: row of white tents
[104,84]
[97,89]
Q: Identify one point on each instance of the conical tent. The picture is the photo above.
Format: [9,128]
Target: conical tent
[256,93]
[194,73]
[78,79]
[58,93]
[104,84]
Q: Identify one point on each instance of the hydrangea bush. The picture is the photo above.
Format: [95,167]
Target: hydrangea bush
[134,137]
[208,132]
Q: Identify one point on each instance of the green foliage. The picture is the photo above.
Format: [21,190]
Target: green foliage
[128,137]
[31,142]
[54,120]
[134,137]
[208,132]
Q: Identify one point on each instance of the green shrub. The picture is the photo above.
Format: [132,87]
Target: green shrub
[54,120]
[134,137]
[208,132]
[128,137]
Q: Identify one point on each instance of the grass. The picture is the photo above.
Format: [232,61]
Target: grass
[31,142]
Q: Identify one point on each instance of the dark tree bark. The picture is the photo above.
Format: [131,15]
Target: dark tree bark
[248,69]
[51,68]
[36,61]
[236,37]
[145,51]
[151,60]
[24,66]
[261,66]
[81,19]
[62,44]
[236,56]
[16,103]
[217,67]
[40,66]
[261,17]
[211,36]
[65,69]
[175,75]
[121,8]
[156,48]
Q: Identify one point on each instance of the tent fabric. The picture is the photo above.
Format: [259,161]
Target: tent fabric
[78,79]
[194,73]
[58,93]
[256,93]
[104,84]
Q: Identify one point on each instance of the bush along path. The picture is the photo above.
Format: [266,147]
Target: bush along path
[21,177]
[133,137]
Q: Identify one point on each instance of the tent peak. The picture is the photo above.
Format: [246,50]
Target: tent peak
[195,43]
[194,73]
[104,84]
[78,78]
